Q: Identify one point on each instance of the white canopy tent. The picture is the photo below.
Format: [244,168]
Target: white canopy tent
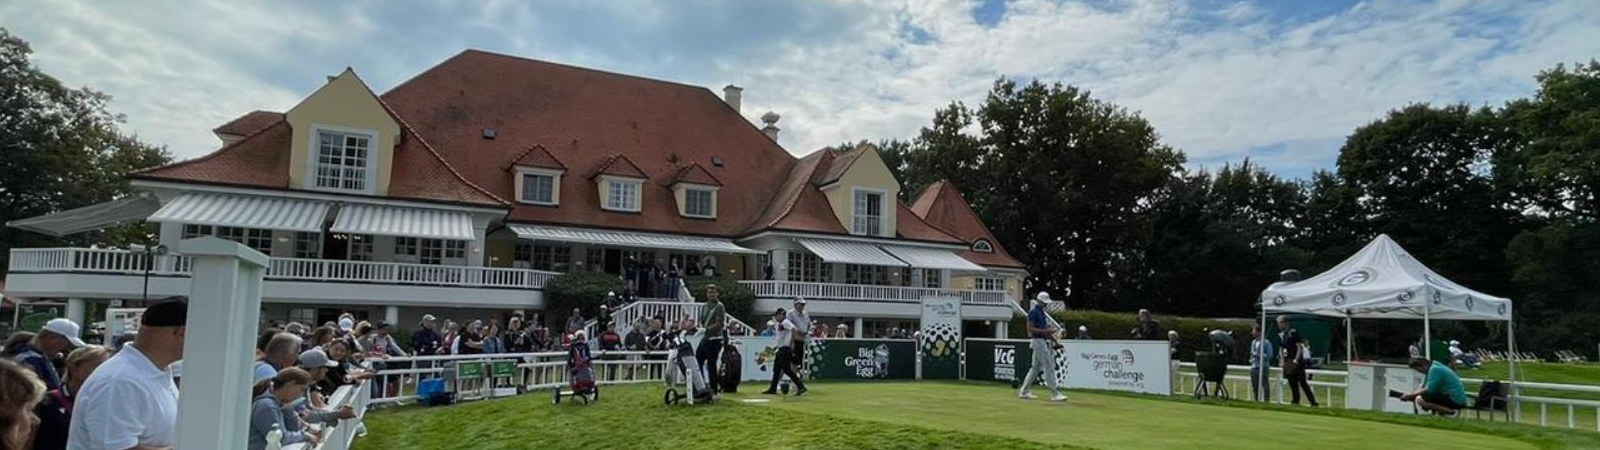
[1383,281]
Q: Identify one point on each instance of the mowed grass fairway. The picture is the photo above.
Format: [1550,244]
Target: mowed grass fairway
[909,415]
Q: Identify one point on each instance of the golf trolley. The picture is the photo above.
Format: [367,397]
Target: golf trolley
[683,371]
[581,368]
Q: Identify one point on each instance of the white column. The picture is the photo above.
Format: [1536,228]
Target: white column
[171,233]
[780,264]
[1002,329]
[857,329]
[391,315]
[225,298]
[944,278]
[477,250]
[75,310]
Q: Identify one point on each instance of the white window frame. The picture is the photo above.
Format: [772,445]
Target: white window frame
[522,182]
[360,247]
[312,238]
[859,222]
[369,181]
[711,201]
[983,246]
[612,183]
[989,284]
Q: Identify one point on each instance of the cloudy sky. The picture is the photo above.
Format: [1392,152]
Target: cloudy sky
[1279,81]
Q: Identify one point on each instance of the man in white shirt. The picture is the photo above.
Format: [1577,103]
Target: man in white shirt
[130,402]
[802,333]
[783,337]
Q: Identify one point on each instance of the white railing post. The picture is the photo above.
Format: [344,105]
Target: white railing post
[225,297]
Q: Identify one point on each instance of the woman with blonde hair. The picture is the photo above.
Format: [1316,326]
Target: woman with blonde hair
[20,391]
[267,412]
[55,413]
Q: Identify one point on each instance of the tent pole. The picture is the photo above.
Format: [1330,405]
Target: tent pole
[1427,333]
[1266,365]
[1515,408]
[1349,340]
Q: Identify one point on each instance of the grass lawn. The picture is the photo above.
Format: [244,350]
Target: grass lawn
[906,415]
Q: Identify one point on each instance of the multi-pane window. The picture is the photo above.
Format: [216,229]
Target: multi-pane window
[256,238]
[307,316]
[551,257]
[865,274]
[539,188]
[361,247]
[982,246]
[595,259]
[989,284]
[698,203]
[342,160]
[407,249]
[808,268]
[429,251]
[194,231]
[307,245]
[868,213]
[931,278]
[622,195]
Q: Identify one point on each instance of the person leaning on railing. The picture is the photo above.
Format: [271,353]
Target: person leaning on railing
[267,410]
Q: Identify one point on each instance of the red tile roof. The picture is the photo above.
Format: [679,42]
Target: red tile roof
[943,207]
[695,174]
[620,165]
[560,117]
[249,123]
[584,117]
[537,156]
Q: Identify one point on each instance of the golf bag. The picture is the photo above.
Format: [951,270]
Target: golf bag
[732,368]
[691,369]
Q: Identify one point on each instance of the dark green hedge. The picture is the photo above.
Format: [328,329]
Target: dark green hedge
[737,299]
[585,291]
[1115,325]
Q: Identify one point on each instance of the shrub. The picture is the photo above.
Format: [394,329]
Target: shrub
[737,299]
[585,291]
[1116,325]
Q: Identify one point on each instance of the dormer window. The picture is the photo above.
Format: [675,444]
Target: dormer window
[699,203]
[343,161]
[982,246]
[622,194]
[868,217]
[538,186]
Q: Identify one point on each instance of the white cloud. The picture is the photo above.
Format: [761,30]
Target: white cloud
[1221,80]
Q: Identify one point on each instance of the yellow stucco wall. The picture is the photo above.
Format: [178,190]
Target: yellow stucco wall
[1013,284]
[868,172]
[345,104]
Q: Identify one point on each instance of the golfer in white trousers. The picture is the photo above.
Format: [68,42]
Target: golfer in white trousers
[1044,356]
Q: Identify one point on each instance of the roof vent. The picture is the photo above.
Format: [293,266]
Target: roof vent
[716,161]
[771,128]
[488,133]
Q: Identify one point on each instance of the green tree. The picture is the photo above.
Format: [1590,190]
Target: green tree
[1556,170]
[60,149]
[1421,175]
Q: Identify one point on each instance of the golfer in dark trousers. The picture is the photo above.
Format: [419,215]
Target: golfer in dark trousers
[715,320]
[783,337]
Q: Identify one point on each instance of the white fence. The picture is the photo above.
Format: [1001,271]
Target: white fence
[342,434]
[397,380]
[832,291]
[1518,409]
[124,262]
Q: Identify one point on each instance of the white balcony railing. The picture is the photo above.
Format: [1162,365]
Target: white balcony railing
[112,261]
[832,291]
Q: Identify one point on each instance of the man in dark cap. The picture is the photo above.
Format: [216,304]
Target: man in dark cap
[130,401]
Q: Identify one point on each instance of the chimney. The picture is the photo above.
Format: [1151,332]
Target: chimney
[733,95]
[771,128]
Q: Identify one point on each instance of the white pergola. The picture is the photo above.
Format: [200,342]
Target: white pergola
[1383,281]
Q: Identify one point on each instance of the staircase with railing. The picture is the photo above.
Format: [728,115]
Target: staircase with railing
[630,314]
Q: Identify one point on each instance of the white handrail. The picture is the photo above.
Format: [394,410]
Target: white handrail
[835,291]
[116,261]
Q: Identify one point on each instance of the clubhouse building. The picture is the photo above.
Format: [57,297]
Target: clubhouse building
[462,191]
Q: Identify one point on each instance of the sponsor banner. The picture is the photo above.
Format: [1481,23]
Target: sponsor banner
[836,359]
[757,352]
[941,338]
[1133,366]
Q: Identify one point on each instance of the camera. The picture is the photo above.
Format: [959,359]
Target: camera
[1396,394]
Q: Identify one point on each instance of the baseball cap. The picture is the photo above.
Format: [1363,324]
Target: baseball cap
[1043,296]
[315,358]
[168,313]
[346,324]
[428,318]
[800,300]
[66,328]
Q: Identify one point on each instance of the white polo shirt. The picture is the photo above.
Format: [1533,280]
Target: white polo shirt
[127,402]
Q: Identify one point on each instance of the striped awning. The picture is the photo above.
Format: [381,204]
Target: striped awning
[932,258]
[228,210]
[403,222]
[628,239]
[89,218]
[850,252]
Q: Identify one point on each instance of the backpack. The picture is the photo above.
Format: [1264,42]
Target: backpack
[732,368]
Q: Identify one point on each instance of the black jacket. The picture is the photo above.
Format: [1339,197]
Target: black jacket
[425,342]
[55,418]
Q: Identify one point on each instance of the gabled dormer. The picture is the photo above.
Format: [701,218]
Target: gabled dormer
[344,139]
[695,189]
[863,193]
[537,177]
[620,183]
